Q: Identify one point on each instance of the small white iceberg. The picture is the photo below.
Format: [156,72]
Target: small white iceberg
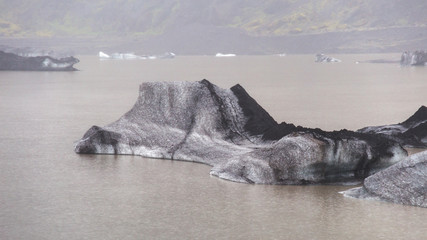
[103,55]
[225,55]
[167,55]
[121,56]
[127,56]
[323,58]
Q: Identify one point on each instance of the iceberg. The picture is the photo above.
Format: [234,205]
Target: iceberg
[228,130]
[225,55]
[103,55]
[14,62]
[130,56]
[416,58]
[324,58]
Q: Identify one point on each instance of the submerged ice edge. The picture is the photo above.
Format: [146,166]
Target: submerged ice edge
[403,183]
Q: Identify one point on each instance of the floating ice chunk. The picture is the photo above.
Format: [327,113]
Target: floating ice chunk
[225,55]
[103,55]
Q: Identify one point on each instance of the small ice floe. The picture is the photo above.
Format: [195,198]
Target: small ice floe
[130,56]
[323,58]
[166,55]
[120,56]
[225,55]
[103,55]
[125,56]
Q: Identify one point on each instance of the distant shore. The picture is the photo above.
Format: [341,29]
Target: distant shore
[182,43]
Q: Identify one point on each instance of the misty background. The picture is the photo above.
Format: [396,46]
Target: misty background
[197,27]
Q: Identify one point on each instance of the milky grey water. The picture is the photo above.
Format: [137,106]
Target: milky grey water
[49,192]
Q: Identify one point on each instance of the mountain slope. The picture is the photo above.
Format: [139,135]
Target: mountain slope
[146,19]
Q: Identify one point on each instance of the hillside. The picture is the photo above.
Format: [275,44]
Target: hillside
[253,26]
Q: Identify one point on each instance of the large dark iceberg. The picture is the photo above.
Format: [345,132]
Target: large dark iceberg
[15,62]
[410,133]
[404,182]
[228,130]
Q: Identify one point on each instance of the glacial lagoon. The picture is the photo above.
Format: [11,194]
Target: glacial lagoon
[49,192]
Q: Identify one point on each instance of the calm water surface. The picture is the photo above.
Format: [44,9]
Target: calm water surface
[49,192]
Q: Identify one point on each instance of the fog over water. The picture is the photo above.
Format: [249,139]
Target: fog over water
[49,192]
